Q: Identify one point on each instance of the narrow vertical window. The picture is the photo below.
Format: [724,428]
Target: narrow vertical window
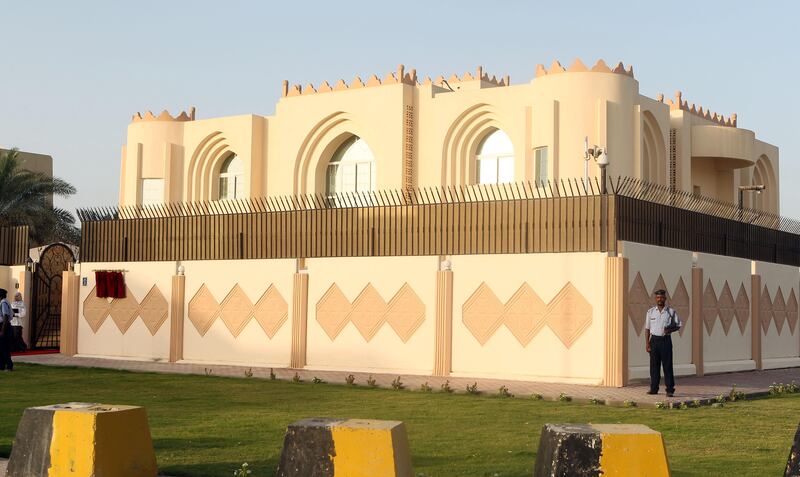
[540,164]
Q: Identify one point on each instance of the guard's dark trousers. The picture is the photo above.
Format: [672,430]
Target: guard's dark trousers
[5,354]
[661,355]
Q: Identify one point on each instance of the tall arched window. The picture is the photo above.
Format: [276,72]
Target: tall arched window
[351,169]
[231,179]
[495,159]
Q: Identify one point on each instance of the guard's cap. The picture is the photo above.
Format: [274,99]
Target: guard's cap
[660,292]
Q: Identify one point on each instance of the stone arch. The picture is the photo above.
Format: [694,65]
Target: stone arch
[764,173]
[654,151]
[318,147]
[462,140]
[205,161]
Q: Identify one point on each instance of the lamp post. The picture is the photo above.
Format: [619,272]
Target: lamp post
[600,156]
[757,188]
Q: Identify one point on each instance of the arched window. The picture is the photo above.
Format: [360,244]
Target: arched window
[231,179]
[495,159]
[351,169]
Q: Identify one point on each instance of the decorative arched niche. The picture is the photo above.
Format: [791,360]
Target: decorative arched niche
[653,167]
[764,174]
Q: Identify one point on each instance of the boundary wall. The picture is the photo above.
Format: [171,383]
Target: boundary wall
[560,317]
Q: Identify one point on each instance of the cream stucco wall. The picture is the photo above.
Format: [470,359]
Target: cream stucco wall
[137,341]
[779,350]
[252,345]
[438,126]
[385,351]
[672,265]
[545,357]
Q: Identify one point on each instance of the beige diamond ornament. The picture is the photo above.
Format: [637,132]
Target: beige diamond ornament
[368,312]
[236,310]
[741,308]
[680,302]
[524,314]
[405,313]
[569,314]
[95,310]
[332,311]
[271,311]
[638,303]
[765,309]
[779,310]
[203,310]
[124,311]
[709,307]
[154,310]
[725,308]
[482,313]
[791,311]
[661,285]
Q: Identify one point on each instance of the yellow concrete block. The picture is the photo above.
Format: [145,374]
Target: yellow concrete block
[98,440]
[368,448]
[632,449]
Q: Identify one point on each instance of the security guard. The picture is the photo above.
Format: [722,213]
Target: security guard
[661,321]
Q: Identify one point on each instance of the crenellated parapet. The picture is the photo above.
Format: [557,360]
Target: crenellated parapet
[579,67]
[679,104]
[479,75]
[400,76]
[164,116]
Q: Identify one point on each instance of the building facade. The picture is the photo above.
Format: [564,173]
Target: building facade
[400,133]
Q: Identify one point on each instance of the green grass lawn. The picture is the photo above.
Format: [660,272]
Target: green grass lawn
[207,426]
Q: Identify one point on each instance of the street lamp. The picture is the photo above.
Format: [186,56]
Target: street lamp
[600,156]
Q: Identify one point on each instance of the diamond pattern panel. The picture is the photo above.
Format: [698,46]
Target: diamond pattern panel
[741,308]
[661,285]
[236,310]
[569,314]
[709,307]
[271,311]
[726,308]
[482,313]
[681,303]
[638,304]
[368,312]
[524,314]
[779,310]
[765,309]
[124,311]
[95,310]
[203,310]
[405,312]
[154,310]
[791,311]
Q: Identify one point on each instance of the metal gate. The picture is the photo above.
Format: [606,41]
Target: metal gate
[45,318]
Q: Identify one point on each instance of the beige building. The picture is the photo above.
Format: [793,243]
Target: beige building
[401,132]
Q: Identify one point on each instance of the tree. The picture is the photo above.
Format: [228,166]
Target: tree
[25,200]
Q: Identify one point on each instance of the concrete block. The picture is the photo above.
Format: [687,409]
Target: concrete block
[592,450]
[793,463]
[83,440]
[323,447]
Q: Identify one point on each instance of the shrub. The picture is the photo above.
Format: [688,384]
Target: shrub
[629,403]
[735,395]
[597,401]
[397,384]
[209,371]
[425,387]
[317,380]
[371,382]
[446,387]
[696,403]
[296,378]
[504,392]
[661,405]
[720,398]
[473,388]
[243,471]
[350,380]
[272,374]
[564,397]
[536,397]
[248,373]
[683,406]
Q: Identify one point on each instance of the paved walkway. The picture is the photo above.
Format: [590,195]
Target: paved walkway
[753,383]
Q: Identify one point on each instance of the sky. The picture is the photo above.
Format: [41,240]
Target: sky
[73,73]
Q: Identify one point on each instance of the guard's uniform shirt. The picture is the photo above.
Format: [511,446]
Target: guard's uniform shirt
[656,320]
